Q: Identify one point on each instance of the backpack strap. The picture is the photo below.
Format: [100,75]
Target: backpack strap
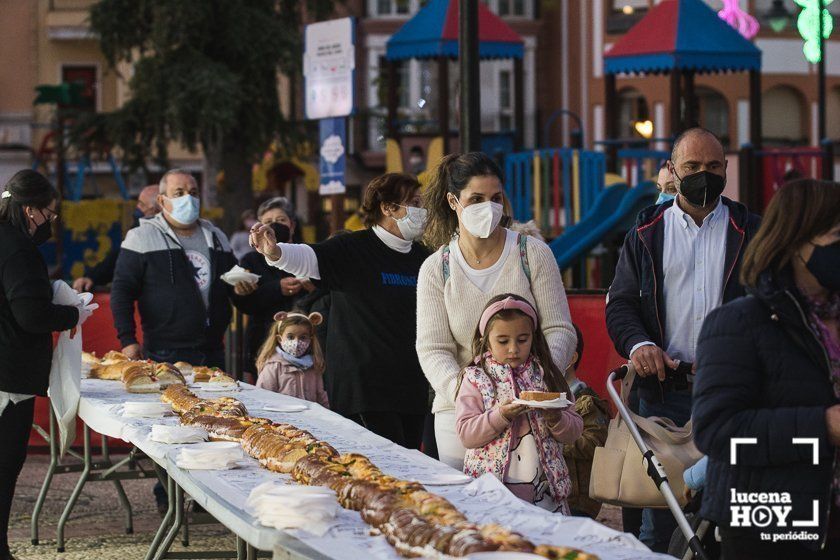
[445,262]
[522,241]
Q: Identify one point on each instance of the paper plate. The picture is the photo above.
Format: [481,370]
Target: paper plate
[190,466]
[217,387]
[502,556]
[146,409]
[554,403]
[444,479]
[286,408]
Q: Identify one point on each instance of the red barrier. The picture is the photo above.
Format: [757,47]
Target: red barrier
[587,309]
[599,355]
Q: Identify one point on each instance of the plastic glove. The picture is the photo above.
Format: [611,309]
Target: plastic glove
[85,312]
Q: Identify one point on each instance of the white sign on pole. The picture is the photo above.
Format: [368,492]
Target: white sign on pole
[328,63]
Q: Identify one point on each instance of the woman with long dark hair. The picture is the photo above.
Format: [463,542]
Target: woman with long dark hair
[28,206]
[768,372]
[476,259]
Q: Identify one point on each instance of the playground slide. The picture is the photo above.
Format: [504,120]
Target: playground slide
[615,209]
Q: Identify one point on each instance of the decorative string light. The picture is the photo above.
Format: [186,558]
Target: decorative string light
[808,25]
[732,14]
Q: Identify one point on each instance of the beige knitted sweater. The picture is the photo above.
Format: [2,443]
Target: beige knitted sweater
[447,316]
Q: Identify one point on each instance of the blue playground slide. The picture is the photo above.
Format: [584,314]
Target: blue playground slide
[614,210]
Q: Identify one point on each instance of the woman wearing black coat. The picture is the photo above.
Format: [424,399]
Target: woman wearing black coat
[768,370]
[275,290]
[27,317]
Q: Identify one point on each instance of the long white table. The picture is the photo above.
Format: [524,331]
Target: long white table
[223,493]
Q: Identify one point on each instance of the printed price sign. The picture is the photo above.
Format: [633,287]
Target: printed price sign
[328,64]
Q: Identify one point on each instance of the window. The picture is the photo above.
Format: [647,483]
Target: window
[85,75]
[623,14]
[632,107]
[713,113]
[783,117]
[505,101]
[628,7]
[394,8]
[515,8]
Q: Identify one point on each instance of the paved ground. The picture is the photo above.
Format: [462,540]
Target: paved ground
[96,529]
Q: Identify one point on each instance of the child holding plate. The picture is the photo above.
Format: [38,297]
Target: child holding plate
[519,441]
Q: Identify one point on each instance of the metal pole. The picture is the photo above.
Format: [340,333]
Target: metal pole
[519,104]
[821,77]
[468,58]
[610,116]
[443,101]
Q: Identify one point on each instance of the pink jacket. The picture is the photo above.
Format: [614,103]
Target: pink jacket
[490,438]
[280,376]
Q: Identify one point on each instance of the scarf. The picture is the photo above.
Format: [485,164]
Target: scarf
[304,362]
[819,312]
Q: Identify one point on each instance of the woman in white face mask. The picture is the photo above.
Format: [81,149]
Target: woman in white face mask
[372,373]
[477,258]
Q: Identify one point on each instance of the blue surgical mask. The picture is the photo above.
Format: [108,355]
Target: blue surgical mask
[665,197]
[184,209]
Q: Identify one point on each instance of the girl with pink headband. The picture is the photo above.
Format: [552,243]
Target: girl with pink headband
[521,445]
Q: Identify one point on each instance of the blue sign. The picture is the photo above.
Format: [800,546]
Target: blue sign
[333,155]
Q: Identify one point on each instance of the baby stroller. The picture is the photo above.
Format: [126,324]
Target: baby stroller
[692,532]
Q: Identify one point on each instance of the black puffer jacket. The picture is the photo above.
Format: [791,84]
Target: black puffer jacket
[763,373]
[27,315]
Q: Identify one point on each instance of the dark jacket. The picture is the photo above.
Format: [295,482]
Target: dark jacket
[763,373]
[27,315]
[635,304]
[596,417]
[262,304]
[153,270]
[102,273]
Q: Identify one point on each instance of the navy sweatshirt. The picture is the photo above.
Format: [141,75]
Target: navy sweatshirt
[153,270]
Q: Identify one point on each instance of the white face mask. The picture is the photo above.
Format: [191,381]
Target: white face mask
[482,218]
[413,223]
[185,209]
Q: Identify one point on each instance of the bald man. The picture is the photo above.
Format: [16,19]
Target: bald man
[679,262]
[103,272]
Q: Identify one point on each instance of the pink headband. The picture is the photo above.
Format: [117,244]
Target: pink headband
[507,303]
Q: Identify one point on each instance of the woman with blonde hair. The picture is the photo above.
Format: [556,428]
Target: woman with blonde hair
[476,259]
[768,372]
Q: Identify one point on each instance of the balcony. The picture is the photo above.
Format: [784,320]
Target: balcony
[67,20]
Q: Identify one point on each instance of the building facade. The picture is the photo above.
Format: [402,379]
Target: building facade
[581,31]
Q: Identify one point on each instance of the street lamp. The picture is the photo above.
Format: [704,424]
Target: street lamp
[778,16]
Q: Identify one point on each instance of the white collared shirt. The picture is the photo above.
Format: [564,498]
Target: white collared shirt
[693,260]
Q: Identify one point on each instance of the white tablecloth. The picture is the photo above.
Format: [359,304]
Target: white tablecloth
[223,493]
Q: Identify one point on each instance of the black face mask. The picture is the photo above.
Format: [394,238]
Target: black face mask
[701,188]
[42,233]
[824,264]
[282,233]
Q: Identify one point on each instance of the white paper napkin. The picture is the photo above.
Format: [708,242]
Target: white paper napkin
[213,455]
[239,274]
[311,508]
[162,433]
[145,409]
